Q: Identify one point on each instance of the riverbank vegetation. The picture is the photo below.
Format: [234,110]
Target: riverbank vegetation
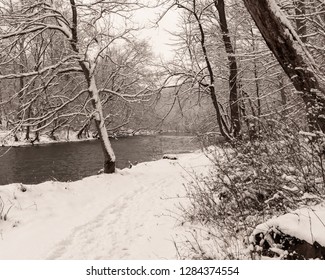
[266,87]
[251,183]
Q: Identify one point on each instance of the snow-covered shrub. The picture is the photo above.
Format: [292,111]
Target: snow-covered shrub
[255,180]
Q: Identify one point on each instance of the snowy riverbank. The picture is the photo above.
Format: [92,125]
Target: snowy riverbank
[7,139]
[132,214]
[126,215]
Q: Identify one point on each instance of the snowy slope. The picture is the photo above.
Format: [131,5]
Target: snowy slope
[126,215]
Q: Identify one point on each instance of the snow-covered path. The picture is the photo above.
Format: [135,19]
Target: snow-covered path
[133,226]
[127,215]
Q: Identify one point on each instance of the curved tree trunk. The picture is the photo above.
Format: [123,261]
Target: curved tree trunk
[233,70]
[109,156]
[224,130]
[88,71]
[292,55]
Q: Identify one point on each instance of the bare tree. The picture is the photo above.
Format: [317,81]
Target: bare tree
[63,45]
[196,63]
[233,69]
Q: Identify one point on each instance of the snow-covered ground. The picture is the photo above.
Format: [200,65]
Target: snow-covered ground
[132,214]
[127,215]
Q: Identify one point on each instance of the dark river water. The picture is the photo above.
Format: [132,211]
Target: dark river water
[73,161]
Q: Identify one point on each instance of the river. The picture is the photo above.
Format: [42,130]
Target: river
[75,160]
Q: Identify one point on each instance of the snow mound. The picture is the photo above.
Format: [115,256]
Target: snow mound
[306,224]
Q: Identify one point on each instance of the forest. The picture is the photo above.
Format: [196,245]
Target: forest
[246,77]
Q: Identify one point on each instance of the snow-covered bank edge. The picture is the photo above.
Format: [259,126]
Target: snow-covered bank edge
[7,139]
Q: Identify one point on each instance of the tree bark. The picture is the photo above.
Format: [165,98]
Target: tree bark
[88,71]
[233,70]
[109,156]
[224,127]
[224,130]
[3,119]
[21,79]
[292,55]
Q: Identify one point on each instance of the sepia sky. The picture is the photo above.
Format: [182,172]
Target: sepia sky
[158,34]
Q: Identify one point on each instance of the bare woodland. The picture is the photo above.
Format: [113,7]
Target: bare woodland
[77,63]
[67,64]
[247,74]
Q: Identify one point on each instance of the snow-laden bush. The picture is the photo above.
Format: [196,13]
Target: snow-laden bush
[253,181]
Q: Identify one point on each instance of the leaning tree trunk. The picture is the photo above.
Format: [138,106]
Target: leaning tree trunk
[292,55]
[109,156]
[224,130]
[233,70]
[88,71]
